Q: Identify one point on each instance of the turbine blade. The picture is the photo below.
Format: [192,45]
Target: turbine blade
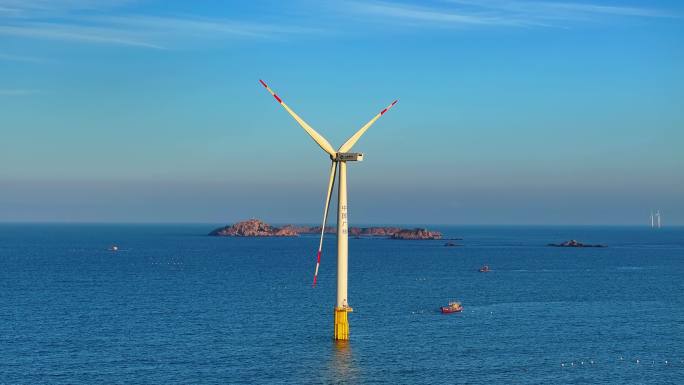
[318,138]
[331,183]
[354,138]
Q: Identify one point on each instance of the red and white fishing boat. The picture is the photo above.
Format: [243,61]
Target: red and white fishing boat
[452,307]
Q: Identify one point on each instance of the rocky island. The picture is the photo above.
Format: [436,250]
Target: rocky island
[258,228]
[573,243]
[416,234]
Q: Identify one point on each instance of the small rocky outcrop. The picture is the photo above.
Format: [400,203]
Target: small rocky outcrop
[573,243]
[374,231]
[254,228]
[353,231]
[416,234]
[314,229]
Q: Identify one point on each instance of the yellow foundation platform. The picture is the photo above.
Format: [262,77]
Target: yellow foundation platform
[341,323]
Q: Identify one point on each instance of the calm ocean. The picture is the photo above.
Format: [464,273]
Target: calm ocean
[176,306]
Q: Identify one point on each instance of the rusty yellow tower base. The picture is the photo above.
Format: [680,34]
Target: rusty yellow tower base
[341,323]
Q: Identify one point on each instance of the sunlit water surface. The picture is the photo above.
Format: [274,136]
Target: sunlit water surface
[176,306]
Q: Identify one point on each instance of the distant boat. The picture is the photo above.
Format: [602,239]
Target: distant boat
[453,307]
[114,248]
[484,269]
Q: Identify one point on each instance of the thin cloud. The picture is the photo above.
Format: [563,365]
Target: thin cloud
[562,10]
[111,21]
[605,9]
[53,31]
[415,13]
[32,8]
[26,59]
[147,32]
[17,92]
[202,27]
[91,21]
[498,12]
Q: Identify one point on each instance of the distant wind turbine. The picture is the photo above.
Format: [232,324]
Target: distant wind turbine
[652,220]
[339,159]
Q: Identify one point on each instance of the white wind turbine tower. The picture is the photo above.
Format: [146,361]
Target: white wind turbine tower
[658,218]
[339,159]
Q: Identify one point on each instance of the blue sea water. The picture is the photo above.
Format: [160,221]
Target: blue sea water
[176,306]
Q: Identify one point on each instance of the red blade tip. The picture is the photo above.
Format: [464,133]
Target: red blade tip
[262,83]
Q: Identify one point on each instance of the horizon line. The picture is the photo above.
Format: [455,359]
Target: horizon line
[227,223]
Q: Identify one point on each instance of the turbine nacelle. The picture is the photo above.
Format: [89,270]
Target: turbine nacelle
[347,157]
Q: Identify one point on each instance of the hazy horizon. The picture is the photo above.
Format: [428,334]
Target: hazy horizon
[407,225]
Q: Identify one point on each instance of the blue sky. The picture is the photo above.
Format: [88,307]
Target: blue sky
[510,112]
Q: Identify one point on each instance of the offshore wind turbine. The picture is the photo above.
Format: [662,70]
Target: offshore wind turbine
[339,159]
[652,221]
